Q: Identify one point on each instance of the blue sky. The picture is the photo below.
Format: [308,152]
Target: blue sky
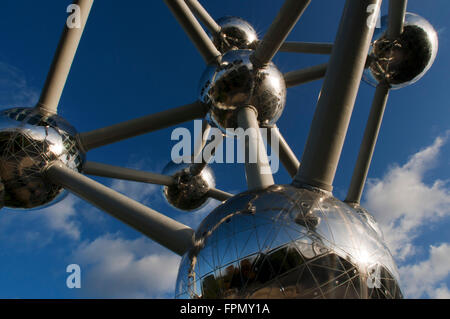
[133,60]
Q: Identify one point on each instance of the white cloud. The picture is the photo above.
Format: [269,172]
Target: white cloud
[14,89]
[115,267]
[406,207]
[403,203]
[425,278]
[61,217]
[39,227]
[441,293]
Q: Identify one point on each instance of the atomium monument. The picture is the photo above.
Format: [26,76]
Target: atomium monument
[272,241]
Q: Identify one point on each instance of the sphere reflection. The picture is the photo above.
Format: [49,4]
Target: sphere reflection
[189,192]
[235,33]
[236,83]
[29,141]
[402,61]
[285,242]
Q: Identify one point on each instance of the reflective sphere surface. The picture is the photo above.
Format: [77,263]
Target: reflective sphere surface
[29,141]
[236,83]
[287,242]
[235,33]
[189,192]
[402,61]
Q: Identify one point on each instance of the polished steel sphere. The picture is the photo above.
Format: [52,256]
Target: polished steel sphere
[236,83]
[235,33]
[287,242]
[402,61]
[189,192]
[29,141]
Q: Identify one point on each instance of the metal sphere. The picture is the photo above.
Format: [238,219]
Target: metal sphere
[29,141]
[236,83]
[189,192]
[287,242]
[402,61]
[235,33]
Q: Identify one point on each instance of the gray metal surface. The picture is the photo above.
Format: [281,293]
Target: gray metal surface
[334,108]
[397,10]
[278,31]
[306,75]
[285,153]
[189,191]
[235,33]
[257,170]
[368,144]
[142,125]
[194,30]
[105,170]
[203,158]
[200,12]
[404,60]
[307,47]
[162,229]
[201,139]
[236,83]
[285,242]
[219,194]
[29,141]
[292,241]
[62,61]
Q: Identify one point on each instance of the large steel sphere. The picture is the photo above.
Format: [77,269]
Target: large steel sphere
[402,61]
[235,33]
[287,242]
[29,141]
[236,83]
[189,192]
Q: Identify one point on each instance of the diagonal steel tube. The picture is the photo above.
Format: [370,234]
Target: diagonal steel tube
[335,106]
[368,144]
[201,137]
[286,19]
[139,126]
[307,47]
[396,17]
[258,171]
[105,170]
[219,195]
[194,30]
[162,229]
[202,159]
[62,61]
[306,75]
[285,153]
[203,15]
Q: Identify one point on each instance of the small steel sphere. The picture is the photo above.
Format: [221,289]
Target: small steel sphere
[29,141]
[236,83]
[189,192]
[287,242]
[235,33]
[402,61]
